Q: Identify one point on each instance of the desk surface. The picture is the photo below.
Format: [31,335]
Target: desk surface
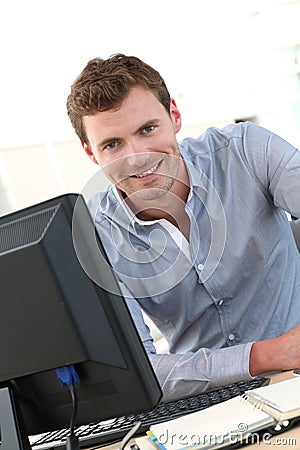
[288,440]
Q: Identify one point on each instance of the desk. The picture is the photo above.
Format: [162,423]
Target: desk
[288,440]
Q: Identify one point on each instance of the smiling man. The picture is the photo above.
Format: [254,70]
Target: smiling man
[196,232]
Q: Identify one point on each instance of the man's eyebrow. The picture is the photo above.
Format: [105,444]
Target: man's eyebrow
[107,141]
[148,124]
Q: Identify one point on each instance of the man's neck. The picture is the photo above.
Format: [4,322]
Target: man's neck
[178,217]
[167,207]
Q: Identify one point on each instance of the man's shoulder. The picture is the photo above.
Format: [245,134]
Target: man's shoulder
[213,139]
[217,135]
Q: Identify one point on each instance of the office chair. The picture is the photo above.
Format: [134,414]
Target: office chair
[295,224]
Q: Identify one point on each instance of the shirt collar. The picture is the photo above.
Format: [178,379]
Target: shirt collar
[132,217]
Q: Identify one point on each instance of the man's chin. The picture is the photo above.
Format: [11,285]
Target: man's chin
[148,194]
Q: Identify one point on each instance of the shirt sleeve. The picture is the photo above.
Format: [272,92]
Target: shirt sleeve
[180,375]
[276,166]
[193,373]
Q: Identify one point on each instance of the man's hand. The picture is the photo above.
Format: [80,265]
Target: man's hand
[280,353]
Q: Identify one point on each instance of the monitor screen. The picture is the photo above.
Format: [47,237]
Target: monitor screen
[61,305]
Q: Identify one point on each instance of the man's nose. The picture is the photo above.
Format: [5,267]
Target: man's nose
[136,155]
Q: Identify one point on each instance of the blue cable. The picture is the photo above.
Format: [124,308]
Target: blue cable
[67,375]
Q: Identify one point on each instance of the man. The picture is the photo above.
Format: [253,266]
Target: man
[196,232]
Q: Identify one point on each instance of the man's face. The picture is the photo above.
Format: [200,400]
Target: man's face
[136,144]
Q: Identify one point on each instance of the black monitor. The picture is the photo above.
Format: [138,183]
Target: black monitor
[61,305]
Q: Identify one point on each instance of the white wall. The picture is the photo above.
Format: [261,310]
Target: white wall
[222,60]
[35,173]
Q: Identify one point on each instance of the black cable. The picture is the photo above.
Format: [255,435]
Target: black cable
[74,407]
[72,440]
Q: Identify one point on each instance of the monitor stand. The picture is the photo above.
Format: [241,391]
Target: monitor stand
[12,433]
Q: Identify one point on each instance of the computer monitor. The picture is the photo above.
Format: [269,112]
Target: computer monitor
[61,305]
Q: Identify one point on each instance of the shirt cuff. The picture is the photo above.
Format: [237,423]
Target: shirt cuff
[229,365]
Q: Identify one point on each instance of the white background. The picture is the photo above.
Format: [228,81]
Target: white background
[222,60]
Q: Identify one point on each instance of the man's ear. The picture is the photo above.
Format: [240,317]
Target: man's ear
[175,115]
[89,152]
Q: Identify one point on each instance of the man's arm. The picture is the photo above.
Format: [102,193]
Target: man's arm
[279,353]
[181,375]
[193,372]
[275,164]
[190,373]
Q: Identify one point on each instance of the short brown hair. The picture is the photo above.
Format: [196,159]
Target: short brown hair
[104,84]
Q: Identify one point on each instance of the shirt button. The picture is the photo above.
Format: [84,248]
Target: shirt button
[200,266]
[231,336]
[220,302]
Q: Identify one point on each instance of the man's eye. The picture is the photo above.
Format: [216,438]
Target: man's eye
[149,128]
[111,145]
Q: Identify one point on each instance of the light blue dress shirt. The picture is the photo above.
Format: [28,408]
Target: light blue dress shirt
[236,281]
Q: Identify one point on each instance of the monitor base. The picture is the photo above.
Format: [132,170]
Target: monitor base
[11,429]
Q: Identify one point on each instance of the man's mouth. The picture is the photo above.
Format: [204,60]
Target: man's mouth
[147,172]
